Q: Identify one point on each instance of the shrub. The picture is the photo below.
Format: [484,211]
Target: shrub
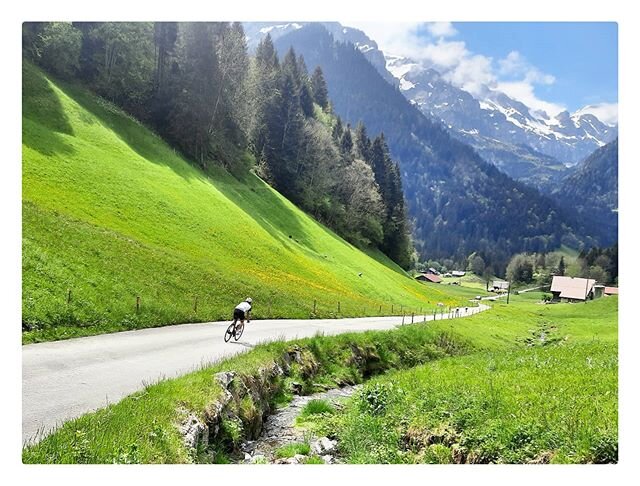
[374,399]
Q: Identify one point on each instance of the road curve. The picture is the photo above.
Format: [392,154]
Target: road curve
[62,380]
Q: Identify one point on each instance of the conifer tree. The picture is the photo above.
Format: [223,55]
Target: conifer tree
[193,107]
[346,143]
[362,143]
[319,88]
[336,133]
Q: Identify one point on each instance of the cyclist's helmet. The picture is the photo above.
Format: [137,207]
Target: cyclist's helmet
[249,300]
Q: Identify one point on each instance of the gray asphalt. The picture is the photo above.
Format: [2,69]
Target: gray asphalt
[62,380]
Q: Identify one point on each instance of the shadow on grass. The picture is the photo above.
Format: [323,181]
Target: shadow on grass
[43,118]
[42,105]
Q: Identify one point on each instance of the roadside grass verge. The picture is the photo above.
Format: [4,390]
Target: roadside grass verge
[111,213]
[143,427]
[534,379]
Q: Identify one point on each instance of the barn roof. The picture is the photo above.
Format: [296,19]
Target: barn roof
[572,287]
[432,278]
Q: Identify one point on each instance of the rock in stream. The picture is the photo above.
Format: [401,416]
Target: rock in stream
[279,430]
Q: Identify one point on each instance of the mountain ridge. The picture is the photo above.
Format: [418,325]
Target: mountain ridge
[459,203]
[567,137]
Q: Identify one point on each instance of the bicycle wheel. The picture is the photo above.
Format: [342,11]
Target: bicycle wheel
[238,332]
[229,332]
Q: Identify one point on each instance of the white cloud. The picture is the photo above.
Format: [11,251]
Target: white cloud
[441,29]
[605,112]
[523,91]
[399,38]
[443,54]
[473,72]
[515,65]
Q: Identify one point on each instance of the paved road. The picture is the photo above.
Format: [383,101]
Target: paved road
[65,379]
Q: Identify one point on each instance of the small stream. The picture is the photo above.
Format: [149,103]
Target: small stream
[280,430]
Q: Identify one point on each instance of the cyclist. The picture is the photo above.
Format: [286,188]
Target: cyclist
[242,311]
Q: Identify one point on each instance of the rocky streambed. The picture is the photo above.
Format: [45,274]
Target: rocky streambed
[280,430]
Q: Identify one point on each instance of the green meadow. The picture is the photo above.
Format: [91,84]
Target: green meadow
[111,214]
[541,387]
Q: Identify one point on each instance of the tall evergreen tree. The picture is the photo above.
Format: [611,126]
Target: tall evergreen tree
[561,266]
[165,37]
[306,96]
[319,88]
[346,143]
[264,125]
[362,143]
[337,130]
[192,114]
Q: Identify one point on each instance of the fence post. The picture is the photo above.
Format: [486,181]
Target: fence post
[269,307]
[380,310]
[391,309]
[195,305]
[338,307]
[137,303]
[412,318]
[68,296]
[314,306]
[403,318]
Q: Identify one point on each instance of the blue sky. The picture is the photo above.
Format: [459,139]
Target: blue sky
[550,66]
[582,56]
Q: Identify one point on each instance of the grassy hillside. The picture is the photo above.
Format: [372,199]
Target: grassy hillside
[110,212]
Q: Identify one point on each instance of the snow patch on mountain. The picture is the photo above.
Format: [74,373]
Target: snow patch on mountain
[283,27]
[568,137]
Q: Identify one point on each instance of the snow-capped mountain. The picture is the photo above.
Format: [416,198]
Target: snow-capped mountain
[493,117]
[256,31]
[527,145]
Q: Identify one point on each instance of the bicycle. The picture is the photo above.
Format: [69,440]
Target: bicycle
[235,329]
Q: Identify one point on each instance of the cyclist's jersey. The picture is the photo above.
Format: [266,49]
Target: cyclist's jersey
[244,307]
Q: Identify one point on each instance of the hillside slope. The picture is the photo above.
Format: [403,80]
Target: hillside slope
[459,202]
[110,212]
[592,190]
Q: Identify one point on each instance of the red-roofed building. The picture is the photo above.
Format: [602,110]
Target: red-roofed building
[572,288]
[429,277]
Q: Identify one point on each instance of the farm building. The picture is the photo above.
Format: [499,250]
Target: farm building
[429,277]
[500,285]
[572,289]
[433,271]
[611,291]
[458,273]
